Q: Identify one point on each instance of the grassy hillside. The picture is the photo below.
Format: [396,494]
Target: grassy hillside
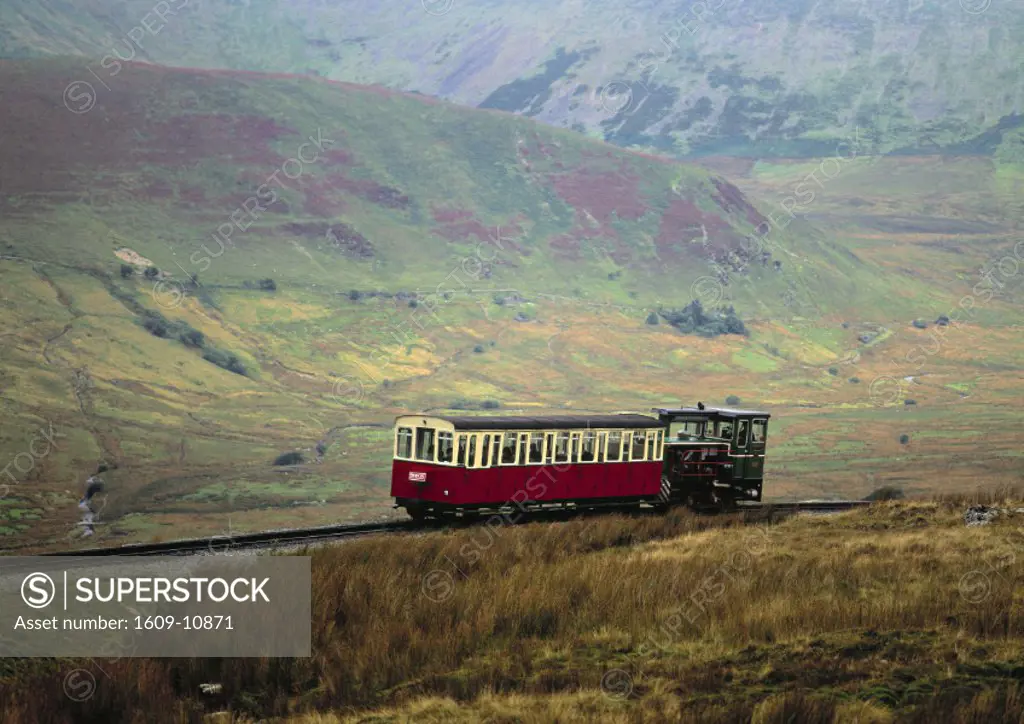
[759,78]
[893,613]
[431,257]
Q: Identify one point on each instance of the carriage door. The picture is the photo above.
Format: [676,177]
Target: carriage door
[741,450]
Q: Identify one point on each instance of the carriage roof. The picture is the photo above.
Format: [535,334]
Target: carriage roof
[541,422]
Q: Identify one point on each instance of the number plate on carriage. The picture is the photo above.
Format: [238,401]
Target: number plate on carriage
[418,477]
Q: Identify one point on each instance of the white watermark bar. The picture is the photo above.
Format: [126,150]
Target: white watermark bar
[165,606]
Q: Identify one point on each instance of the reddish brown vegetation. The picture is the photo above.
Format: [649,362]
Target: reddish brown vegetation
[730,198]
[367,189]
[601,194]
[682,222]
[460,225]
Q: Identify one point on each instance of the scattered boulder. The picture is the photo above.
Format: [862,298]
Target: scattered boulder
[980,515]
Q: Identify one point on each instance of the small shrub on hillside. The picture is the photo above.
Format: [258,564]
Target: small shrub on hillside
[904,439]
[491,405]
[886,492]
[855,380]
[732,400]
[693,319]
[268,285]
[152,272]
[225,360]
[833,371]
[289,458]
[942,321]
[355,295]
[919,324]
[192,338]
[413,303]
[156,325]
[479,349]
[127,270]
[652,318]
[909,402]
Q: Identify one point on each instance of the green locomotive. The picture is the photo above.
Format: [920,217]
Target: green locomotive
[712,456]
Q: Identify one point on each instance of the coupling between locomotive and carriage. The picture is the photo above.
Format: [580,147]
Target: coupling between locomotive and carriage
[457,465]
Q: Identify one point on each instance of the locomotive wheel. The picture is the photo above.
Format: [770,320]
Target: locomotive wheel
[417,513]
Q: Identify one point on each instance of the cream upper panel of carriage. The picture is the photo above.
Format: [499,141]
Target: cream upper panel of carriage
[434,440]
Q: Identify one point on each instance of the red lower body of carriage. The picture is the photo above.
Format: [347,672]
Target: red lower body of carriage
[425,486]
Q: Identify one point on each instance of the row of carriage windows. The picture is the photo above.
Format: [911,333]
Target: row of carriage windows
[487,449]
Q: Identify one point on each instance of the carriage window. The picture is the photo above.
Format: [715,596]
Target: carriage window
[614,453]
[444,447]
[460,459]
[638,445]
[561,447]
[424,444]
[496,450]
[537,447]
[404,449]
[508,449]
[485,452]
[471,454]
[524,448]
[661,444]
[760,430]
[741,433]
[589,448]
[652,445]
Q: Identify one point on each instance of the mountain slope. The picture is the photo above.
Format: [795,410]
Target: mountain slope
[761,77]
[420,256]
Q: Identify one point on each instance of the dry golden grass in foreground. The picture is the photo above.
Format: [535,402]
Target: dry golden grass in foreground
[897,612]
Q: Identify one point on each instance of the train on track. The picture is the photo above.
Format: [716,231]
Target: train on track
[455,466]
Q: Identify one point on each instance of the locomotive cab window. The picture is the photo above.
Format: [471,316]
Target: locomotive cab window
[724,430]
[403,444]
[424,444]
[759,431]
[444,447]
[685,429]
[741,433]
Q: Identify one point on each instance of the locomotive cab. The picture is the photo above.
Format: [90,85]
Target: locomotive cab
[714,456]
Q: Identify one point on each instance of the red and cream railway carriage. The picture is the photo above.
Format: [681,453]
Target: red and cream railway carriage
[446,464]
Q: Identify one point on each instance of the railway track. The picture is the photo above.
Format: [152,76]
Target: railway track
[269,539]
[302,536]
